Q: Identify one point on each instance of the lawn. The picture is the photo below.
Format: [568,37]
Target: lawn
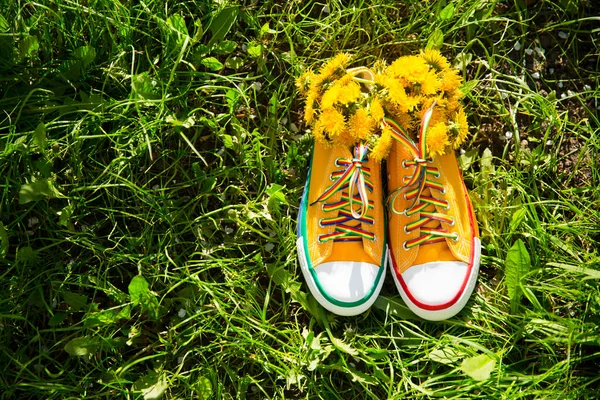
[152,159]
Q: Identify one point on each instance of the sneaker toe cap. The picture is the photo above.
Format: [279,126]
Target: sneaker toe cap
[436,284]
[347,281]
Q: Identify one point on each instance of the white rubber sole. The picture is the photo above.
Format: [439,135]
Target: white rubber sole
[446,313]
[334,308]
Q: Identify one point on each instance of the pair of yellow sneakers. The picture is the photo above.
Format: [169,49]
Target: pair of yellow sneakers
[424,228]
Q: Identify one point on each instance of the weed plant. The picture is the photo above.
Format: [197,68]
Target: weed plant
[152,159]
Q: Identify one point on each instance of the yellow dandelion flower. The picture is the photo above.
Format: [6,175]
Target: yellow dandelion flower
[346,139]
[462,128]
[330,97]
[437,139]
[412,102]
[401,117]
[361,124]
[333,122]
[430,84]
[376,109]
[452,102]
[397,95]
[349,93]
[304,80]
[451,80]
[309,113]
[346,79]
[435,59]
[309,110]
[318,133]
[381,147]
[411,68]
[333,65]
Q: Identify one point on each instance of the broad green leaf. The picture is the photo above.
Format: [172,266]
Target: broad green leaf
[469,86]
[227,141]
[152,385]
[64,215]
[446,355]
[447,13]
[28,46]
[276,198]
[212,63]
[139,290]
[478,367]
[3,241]
[436,40]
[222,23]
[517,218]
[177,24]
[76,301]
[487,167]
[232,97]
[82,346]
[266,29]
[234,62]
[39,136]
[85,54]
[38,190]
[225,47]
[144,87]
[198,31]
[466,160]
[517,264]
[57,319]
[341,345]
[363,378]
[462,60]
[203,388]
[255,50]
[176,32]
[140,294]
[107,317]
[3,25]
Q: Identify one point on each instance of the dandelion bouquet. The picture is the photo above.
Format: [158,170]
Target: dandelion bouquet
[346,106]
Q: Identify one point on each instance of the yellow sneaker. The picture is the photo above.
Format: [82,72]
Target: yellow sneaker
[433,234]
[341,241]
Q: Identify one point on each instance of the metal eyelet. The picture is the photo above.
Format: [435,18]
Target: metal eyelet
[443,191]
[321,223]
[323,207]
[455,237]
[336,162]
[404,246]
[447,206]
[437,175]
[452,223]
[374,238]
[429,159]
[404,164]
[331,178]
[406,230]
[404,195]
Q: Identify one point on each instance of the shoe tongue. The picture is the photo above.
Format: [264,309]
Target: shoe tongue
[435,251]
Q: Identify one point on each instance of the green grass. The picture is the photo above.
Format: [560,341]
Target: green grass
[165,140]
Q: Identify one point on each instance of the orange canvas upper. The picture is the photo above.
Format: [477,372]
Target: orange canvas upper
[460,210]
[371,251]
